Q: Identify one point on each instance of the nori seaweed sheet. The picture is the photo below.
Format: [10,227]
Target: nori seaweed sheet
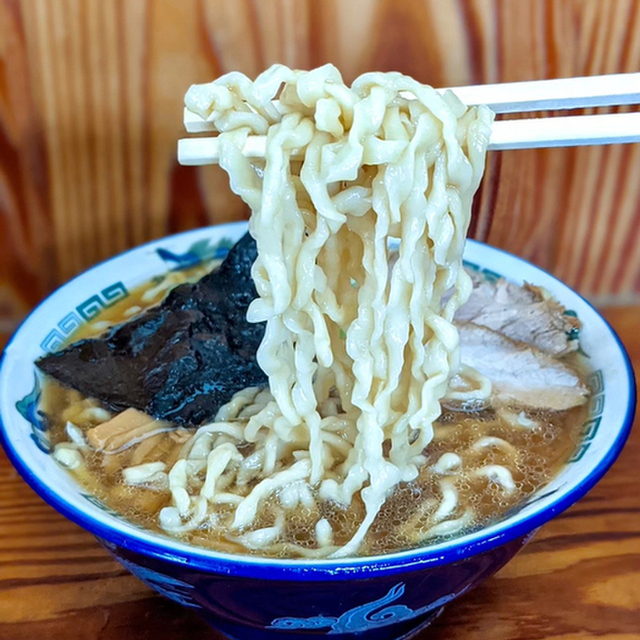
[179,361]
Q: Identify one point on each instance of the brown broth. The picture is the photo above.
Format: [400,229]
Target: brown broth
[539,453]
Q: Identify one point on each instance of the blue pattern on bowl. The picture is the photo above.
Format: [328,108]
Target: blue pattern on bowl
[365,617]
[381,608]
[200,251]
[28,409]
[86,310]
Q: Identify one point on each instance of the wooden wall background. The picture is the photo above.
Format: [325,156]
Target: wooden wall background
[90,111]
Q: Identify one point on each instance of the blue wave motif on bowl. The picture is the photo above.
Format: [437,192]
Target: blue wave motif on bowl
[83,312]
[170,587]
[28,409]
[367,616]
[199,252]
[595,382]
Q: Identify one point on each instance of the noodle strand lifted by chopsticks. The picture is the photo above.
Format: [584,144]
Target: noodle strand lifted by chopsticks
[344,329]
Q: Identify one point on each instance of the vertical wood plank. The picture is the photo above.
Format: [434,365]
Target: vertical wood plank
[90,111]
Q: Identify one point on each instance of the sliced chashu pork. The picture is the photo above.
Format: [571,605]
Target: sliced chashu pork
[519,373]
[525,314]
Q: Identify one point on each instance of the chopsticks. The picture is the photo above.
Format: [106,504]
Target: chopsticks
[554,95]
[515,97]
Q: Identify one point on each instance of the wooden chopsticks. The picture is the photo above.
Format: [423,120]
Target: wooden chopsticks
[515,97]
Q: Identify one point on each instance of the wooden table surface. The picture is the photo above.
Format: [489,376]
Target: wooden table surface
[578,579]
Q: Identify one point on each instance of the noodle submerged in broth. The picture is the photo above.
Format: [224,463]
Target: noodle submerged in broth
[461,463]
[348,450]
[376,166]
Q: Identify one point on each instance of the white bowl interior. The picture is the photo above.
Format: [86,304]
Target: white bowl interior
[78,301]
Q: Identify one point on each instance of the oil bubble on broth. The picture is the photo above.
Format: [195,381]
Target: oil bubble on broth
[532,445]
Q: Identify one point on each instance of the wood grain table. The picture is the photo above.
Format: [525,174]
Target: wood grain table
[578,579]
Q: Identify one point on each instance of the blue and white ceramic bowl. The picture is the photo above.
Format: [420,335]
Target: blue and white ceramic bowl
[383,597]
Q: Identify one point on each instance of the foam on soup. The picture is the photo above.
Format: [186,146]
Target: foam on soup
[480,463]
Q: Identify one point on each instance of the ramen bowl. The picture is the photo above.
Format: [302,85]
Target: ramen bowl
[380,597]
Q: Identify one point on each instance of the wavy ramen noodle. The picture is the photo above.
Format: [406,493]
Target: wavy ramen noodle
[358,354]
[372,435]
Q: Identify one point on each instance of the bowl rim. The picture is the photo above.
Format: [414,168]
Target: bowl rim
[162,547]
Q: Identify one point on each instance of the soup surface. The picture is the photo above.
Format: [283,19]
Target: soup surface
[482,461]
